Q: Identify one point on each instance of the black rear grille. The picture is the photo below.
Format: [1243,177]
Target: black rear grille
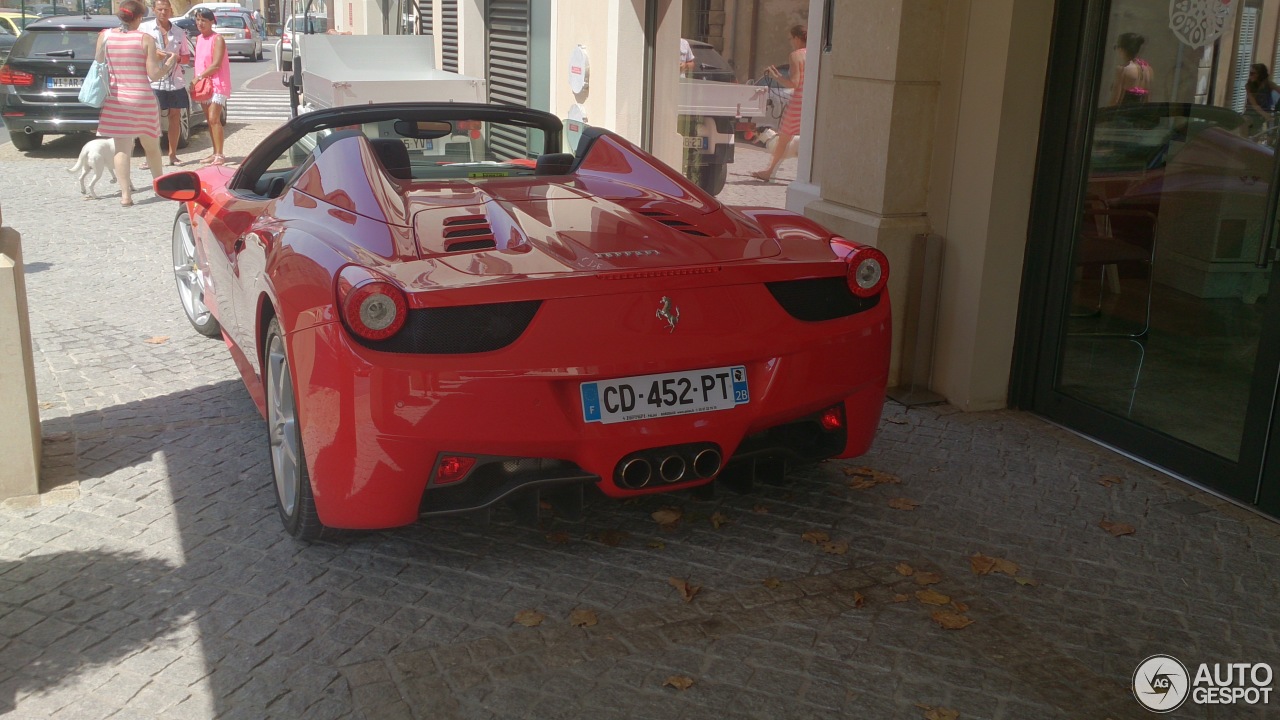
[673,222]
[458,330]
[819,299]
[470,232]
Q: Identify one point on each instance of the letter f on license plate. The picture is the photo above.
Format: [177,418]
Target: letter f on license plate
[644,397]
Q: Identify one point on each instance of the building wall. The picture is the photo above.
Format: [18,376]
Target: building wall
[928,117]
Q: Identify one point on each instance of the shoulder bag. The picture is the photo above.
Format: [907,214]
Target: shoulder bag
[96,87]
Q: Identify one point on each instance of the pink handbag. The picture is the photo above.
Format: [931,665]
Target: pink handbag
[202,90]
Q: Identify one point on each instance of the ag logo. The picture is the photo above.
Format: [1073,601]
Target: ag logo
[1161,683]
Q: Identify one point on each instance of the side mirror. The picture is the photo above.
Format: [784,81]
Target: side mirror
[181,186]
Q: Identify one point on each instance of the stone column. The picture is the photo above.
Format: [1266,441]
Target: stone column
[19,413]
[877,98]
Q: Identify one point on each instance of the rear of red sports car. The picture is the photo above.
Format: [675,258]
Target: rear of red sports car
[504,333]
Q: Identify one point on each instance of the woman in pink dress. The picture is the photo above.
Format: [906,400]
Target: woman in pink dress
[790,125]
[130,110]
[212,62]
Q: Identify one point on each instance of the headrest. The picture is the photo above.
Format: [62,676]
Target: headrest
[394,156]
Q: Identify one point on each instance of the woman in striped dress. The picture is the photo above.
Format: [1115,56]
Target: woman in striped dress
[790,126]
[130,110]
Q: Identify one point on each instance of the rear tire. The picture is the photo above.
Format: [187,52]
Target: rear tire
[294,499]
[25,142]
[711,177]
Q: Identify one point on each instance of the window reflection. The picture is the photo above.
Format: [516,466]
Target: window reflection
[1170,275]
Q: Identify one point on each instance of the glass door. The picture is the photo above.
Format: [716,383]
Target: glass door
[1159,327]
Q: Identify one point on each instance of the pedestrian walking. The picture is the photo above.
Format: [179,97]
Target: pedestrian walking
[790,125]
[130,111]
[170,90]
[212,64]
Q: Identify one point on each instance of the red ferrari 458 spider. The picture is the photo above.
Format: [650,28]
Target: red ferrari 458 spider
[437,308]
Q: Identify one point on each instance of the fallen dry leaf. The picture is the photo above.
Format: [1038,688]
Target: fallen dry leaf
[1006,567]
[558,537]
[901,503]
[667,516]
[583,618]
[981,564]
[656,544]
[935,469]
[959,606]
[1110,481]
[718,519]
[815,537]
[47,405]
[687,591]
[612,538]
[760,509]
[679,682]
[932,597]
[951,621]
[901,597]
[896,421]
[1116,529]
[772,583]
[858,599]
[940,713]
[861,483]
[928,578]
[835,548]
[1023,580]
[530,618]
[905,569]
[157,340]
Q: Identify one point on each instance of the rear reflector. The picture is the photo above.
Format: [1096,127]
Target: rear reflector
[453,468]
[833,418]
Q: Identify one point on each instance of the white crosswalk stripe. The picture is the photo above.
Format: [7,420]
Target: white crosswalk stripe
[258,106]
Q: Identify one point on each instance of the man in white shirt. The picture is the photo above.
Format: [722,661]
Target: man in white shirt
[686,58]
[170,90]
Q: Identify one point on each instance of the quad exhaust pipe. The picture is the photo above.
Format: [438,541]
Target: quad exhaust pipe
[673,464]
[634,473]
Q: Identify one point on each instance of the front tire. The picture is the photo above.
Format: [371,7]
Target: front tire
[25,142]
[294,499]
[189,278]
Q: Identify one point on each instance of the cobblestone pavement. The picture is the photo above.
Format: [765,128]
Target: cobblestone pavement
[152,579]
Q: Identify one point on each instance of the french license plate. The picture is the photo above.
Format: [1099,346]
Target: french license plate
[644,397]
[417,144]
[64,82]
[695,143]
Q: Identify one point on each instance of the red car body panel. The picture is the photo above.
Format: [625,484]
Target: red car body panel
[600,249]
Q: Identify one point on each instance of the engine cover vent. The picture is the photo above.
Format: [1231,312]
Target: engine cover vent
[468,233]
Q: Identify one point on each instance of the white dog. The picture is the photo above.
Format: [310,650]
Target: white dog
[95,157]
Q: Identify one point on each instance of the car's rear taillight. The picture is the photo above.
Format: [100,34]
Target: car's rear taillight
[453,468]
[868,271]
[371,305]
[18,78]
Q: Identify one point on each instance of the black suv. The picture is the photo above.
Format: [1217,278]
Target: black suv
[40,82]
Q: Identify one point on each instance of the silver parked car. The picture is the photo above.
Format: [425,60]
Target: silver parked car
[240,33]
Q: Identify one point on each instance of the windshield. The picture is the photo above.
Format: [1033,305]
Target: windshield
[56,43]
[318,24]
[229,21]
[457,149]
